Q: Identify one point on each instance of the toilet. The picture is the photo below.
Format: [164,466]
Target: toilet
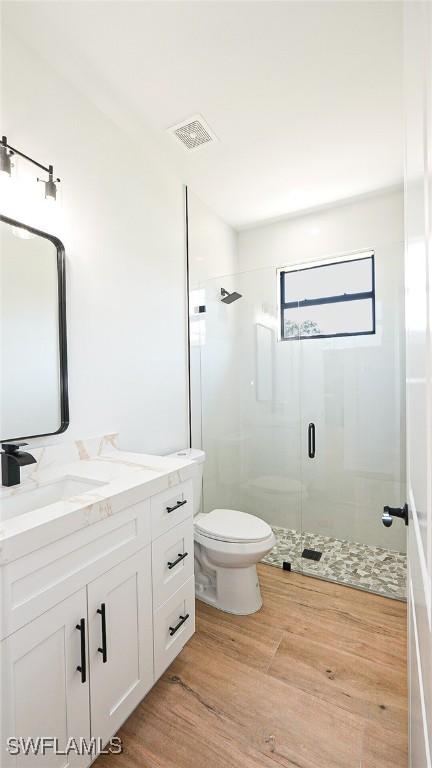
[228,545]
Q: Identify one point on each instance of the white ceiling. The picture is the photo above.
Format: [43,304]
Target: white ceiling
[305,97]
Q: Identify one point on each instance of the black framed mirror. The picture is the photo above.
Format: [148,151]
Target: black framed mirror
[33,344]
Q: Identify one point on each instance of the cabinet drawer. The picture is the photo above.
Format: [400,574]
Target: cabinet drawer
[173,561]
[171,507]
[171,627]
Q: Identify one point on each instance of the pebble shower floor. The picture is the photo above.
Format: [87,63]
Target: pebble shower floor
[374,569]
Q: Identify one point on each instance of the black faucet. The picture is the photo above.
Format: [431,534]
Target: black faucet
[11,461]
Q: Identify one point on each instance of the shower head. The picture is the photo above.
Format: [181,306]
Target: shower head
[228,298]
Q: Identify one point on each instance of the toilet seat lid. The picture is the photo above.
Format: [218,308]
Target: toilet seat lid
[232,525]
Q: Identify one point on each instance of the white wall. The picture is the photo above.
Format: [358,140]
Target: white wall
[360,224]
[122,224]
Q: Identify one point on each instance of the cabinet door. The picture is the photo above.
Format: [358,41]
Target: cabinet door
[43,693]
[120,642]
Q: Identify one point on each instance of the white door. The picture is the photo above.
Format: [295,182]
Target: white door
[120,642]
[418,267]
[44,694]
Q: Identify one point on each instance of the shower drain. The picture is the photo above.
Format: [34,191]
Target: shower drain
[312,554]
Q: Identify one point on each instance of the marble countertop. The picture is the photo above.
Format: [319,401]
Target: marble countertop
[125,478]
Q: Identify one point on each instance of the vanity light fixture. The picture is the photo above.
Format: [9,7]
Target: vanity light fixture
[7,151]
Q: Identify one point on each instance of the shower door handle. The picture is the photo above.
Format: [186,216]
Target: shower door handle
[390,512]
[311,440]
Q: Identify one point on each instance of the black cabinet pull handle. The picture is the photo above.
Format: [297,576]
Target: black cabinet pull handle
[103,650]
[390,512]
[179,559]
[176,506]
[83,666]
[311,440]
[173,630]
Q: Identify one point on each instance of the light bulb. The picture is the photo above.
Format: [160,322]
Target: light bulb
[5,186]
[50,189]
[50,201]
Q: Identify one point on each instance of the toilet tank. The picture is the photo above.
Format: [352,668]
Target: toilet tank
[198,457]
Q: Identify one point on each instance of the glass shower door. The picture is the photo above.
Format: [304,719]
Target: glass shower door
[306,431]
[352,393]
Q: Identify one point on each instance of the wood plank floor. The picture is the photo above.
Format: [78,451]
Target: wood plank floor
[316,679]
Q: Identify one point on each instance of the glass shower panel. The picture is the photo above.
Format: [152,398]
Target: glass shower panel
[265,403]
[352,394]
[250,418]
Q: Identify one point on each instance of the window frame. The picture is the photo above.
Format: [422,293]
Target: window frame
[336,299]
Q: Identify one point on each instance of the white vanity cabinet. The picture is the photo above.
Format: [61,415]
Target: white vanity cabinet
[119,606]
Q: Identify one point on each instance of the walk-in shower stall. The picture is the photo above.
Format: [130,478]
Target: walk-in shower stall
[297,399]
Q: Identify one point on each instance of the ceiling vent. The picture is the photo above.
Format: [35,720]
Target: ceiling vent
[193,132]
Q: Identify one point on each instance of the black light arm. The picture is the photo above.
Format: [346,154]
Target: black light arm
[48,168]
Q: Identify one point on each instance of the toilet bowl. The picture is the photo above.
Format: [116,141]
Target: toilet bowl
[228,546]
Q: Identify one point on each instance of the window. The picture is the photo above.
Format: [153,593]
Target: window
[329,299]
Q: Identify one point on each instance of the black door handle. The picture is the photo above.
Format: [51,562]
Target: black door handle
[176,562]
[176,506]
[311,440]
[83,666]
[173,630]
[103,650]
[390,512]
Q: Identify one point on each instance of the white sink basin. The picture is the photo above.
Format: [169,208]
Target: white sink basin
[65,489]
